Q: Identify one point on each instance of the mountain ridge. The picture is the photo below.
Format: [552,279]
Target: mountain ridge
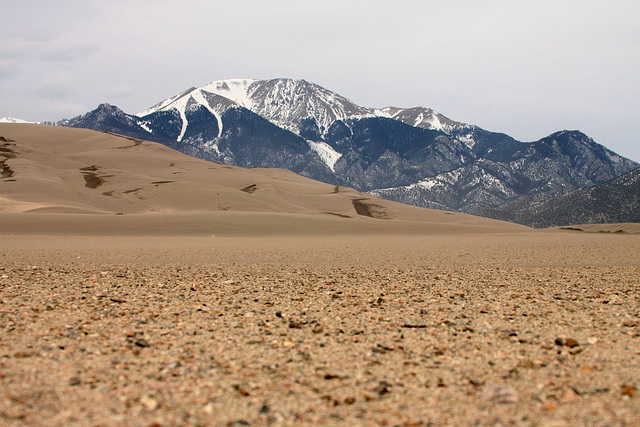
[411,155]
[612,202]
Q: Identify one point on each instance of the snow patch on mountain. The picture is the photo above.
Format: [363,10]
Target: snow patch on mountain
[164,104]
[145,126]
[419,117]
[13,120]
[467,140]
[326,153]
[237,90]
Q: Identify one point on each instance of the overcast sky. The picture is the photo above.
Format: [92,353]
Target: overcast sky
[525,68]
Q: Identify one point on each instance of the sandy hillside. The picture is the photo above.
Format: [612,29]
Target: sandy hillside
[142,287]
[143,187]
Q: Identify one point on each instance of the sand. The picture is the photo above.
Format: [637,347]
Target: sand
[294,303]
[304,331]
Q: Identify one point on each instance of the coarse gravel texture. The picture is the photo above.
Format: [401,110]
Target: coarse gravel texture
[531,329]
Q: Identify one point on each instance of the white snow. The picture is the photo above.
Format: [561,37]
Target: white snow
[236,90]
[467,140]
[214,146]
[13,120]
[145,126]
[199,97]
[435,122]
[614,157]
[326,153]
[180,105]
[428,184]
[164,104]
[383,112]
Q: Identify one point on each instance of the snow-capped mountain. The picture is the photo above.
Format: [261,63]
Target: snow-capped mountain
[420,117]
[12,120]
[291,104]
[412,155]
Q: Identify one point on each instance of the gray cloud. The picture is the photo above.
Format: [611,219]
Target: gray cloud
[524,68]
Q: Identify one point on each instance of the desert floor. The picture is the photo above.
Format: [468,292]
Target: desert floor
[531,328]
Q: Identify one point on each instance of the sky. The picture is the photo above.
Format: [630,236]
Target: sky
[521,67]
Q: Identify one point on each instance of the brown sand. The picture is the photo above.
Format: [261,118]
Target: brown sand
[289,305]
[358,331]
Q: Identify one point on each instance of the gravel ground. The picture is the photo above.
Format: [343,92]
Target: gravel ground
[540,329]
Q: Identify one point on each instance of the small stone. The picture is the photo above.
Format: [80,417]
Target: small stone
[317,329]
[500,393]
[569,395]
[349,400]
[149,403]
[383,388]
[75,381]
[264,409]
[22,354]
[141,342]
[559,341]
[241,390]
[630,391]
[571,343]
[295,325]
[526,364]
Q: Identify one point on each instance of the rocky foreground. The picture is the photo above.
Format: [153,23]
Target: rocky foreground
[538,329]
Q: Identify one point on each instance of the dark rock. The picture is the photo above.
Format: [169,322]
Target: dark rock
[264,409]
[141,342]
[383,388]
[570,342]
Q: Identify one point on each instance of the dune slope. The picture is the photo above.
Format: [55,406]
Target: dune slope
[130,185]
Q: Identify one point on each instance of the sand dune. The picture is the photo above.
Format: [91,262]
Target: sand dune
[64,174]
[632,228]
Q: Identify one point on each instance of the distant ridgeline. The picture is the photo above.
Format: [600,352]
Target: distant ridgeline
[410,155]
[615,201]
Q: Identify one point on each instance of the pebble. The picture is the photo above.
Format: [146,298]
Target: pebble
[383,388]
[375,369]
[500,393]
[141,342]
[149,403]
[630,391]
[571,343]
